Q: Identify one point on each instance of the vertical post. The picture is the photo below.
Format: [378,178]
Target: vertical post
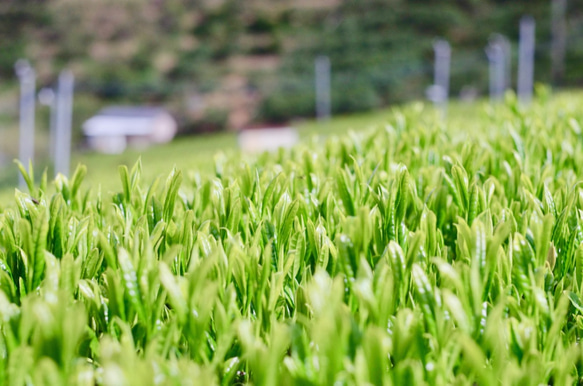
[526,59]
[323,104]
[559,39]
[507,53]
[46,97]
[495,53]
[63,122]
[53,128]
[442,51]
[27,78]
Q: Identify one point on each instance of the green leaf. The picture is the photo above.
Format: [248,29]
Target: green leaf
[130,282]
[344,192]
[39,238]
[77,179]
[27,176]
[125,183]
[172,186]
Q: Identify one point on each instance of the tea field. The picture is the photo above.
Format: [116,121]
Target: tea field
[418,251]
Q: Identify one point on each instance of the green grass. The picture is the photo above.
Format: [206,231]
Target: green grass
[198,152]
[415,252]
[187,153]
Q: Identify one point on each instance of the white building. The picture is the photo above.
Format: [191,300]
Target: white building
[115,128]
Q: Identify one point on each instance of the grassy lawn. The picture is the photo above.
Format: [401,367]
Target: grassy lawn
[191,153]
[198,152]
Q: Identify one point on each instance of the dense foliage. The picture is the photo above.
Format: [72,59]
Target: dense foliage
[414,252]
[381,51]
[164,51]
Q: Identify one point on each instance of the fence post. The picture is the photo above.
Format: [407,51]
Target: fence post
[323,104]
[63,123]
[497,76]
[526,59]
[27,79]
[439,92]
[507,53]
[46,97]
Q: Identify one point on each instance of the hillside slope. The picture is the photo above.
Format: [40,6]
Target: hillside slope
[224,63]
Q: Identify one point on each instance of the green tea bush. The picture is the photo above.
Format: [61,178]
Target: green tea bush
[416,252]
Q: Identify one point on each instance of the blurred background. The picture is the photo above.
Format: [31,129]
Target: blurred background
[225,65]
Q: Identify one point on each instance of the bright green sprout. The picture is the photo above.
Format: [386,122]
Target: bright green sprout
[417,252]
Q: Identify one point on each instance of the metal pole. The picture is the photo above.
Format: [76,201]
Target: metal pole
[507,47]
[46,97]
[64,121]
[495,53]
[526,59]
[53,128]
[442,51]
[27,78]
[559,39]
[323,104]
[507,61]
